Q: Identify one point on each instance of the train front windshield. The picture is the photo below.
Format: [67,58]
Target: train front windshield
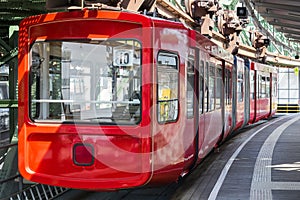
[86,81]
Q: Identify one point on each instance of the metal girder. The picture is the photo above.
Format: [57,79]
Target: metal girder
[285,26]
[12,11]
[279,15]
[4,45]
[8,103]
[9,13]
[7,23]
[10,55]
[283,15]
[261,7]
[23,4]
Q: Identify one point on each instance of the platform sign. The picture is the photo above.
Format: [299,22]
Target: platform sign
[122,57]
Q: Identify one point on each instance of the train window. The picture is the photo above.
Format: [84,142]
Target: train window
[257,82]
[211,87]
[240,86]
[206,88]
[268,87]
[167,79]
[86,81]
[274,86]
[201,84]
[252,81]
[218,87]
[190,87]
[262,86]
[228,98]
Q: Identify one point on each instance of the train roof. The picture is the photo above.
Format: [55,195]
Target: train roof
[198,40]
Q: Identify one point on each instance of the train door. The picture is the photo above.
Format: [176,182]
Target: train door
[191,135]
[213,122]
[268,95]
[257,89]
[238,93]
[247,92]
[227,79]
[273,93]
[252,93]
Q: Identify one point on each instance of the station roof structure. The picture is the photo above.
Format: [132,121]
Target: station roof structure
[283,15]
[13,11]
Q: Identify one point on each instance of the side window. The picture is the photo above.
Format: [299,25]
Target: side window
[252,81]
[218,87]
[228,87]
[274,86]
[201,84]
[206,88]
[240,86]
[212,75]
[258,80]
[167,82]
[268,86]
[262,86]
[190,74]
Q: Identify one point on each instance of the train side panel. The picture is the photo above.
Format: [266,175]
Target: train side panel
[169,119]
[215,95]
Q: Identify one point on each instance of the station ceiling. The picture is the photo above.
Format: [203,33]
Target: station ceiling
[13,11]
[283,14]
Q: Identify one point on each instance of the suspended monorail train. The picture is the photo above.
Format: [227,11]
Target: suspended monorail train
[113,99]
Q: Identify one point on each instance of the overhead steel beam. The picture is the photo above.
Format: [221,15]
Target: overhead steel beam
[10,55]
[279,2]
[15,11]
[262,7]
[289,31]
[5,46]
[7,23]
[23,4]
[285,25]
[296,39]
[278,16]
[258,24]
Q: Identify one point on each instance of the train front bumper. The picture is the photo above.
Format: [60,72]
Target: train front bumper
[95,162]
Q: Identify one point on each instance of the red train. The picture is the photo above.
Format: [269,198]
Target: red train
[111,99]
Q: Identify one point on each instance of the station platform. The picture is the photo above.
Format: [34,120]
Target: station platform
[262,162]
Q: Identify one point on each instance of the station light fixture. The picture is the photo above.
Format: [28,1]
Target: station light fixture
[241,12]
[267,42]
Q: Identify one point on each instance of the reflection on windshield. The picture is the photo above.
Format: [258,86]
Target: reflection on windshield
[86,81]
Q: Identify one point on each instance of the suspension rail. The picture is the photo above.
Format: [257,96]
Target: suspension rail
[244,50]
